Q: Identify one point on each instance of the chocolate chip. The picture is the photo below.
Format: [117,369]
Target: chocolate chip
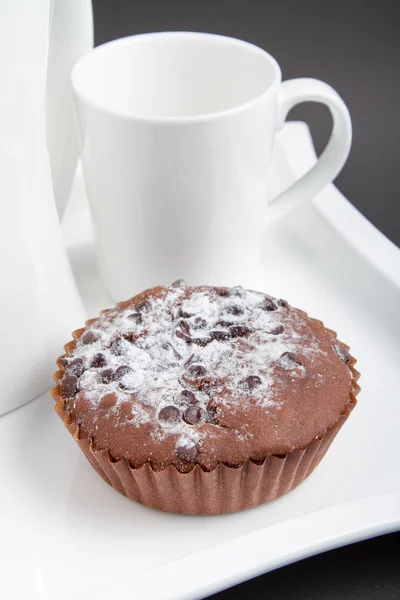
[289,361]
[342,353]
[251,382]
[76,367]
[131,338]
[237,291]
[108,401]
[143,306]
[239,330]
[202,341]
[118,347]
[194,415]
[276,330]
[136,317]
[197,370]
[268,304]
[69,386]
[64,360]
[169,414]
[184,325]
[223,323]
[222,291]
[283,303]
[183,331]
[187,453]
[179,283]
[235,310]
[189,360]
[199,323]
[182,335]
[89,337]
[187,396]
[121,372]
[99,360]
[220,335]
[106,376]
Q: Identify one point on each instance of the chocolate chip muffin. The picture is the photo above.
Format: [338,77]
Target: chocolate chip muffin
[202,399]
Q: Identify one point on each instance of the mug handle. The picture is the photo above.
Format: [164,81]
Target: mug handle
[332,159]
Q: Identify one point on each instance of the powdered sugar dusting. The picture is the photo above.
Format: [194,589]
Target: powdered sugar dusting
[230,343]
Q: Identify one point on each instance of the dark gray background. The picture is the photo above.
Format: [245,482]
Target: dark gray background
[353,45]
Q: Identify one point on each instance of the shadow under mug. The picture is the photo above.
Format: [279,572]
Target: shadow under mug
[176,133]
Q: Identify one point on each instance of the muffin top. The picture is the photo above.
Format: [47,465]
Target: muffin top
[201,375]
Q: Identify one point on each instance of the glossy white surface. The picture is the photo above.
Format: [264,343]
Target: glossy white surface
[74,538]
[176,137]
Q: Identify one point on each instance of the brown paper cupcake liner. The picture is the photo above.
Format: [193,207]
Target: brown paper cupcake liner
[222,490]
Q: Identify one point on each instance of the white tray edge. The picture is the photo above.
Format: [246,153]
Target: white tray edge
[234,561]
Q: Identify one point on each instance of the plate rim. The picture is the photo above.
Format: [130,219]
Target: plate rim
[356,523]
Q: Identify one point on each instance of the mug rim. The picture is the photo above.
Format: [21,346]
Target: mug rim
[132,39]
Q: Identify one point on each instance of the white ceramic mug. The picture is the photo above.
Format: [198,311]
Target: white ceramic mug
[176,135]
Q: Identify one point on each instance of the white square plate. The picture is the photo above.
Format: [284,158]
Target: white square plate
[66,535]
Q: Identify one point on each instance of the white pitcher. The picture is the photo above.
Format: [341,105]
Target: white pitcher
[39,302]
